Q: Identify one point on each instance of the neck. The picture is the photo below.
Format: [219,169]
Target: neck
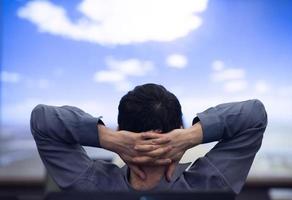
[153,177]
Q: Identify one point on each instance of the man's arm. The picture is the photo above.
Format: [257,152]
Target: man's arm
[59,133]
[239,128]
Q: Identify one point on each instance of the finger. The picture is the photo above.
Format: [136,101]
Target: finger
[146,147]
[138,171]
[170,170]
[150,135]
[162,162]
[161,140]
[147,142]
[143,160]
[159,152]
[156,141]
[146,160]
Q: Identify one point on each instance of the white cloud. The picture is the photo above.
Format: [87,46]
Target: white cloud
[118,22]
[130,67]
[261,87]
[10,77]
[109,76]
[235,86]
[228,74]
[218,65]
[177,61]
[119,71]
[232,79]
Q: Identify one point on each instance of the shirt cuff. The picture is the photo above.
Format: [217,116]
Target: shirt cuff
[89,131]
[211,125]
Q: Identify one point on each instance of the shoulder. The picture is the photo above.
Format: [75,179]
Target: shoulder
[202,174]
[101,176]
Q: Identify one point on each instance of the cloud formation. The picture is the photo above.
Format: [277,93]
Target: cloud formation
[235,85]
[119,71]
[118,22]
[177,61]
[9,77]
[13,77]
[233,79]
[130,67]
[228,74]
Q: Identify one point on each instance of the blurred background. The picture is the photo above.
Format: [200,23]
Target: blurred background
[89,53]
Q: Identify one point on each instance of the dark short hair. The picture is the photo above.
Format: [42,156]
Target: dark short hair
[149,107]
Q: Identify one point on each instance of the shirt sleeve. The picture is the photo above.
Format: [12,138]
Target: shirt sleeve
[238,127]
[59,133]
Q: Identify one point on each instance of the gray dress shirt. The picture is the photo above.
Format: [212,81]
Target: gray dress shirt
[60,133]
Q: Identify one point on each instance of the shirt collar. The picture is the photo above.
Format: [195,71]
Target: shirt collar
[163,184]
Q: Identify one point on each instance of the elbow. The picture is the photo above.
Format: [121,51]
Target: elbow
[259,114]
[36,117]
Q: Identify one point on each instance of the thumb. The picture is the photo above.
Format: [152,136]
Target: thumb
[170,170]
[136,170]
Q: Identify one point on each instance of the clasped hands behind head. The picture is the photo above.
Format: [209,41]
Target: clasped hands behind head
[151,148]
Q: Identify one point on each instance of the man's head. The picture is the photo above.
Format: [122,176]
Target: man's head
[149,107]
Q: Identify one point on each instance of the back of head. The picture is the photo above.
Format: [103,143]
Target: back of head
[149,107]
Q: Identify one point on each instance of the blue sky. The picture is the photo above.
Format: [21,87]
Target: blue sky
[89,53]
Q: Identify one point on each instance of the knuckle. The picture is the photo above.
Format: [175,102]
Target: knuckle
[165,149]
[152,147]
